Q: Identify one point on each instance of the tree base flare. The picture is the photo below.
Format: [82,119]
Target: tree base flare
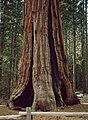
[72,101]
[42,106]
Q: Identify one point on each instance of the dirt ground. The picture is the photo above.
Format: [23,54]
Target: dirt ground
[59,118]
[5,111]
[75,108]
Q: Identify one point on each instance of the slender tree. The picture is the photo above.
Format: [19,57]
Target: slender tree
[1,44]
[86,38]
[43,80]
[74,39]
[83,47]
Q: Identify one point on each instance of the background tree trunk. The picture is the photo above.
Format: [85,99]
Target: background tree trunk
[86,38]
[43,80]
[83,50]
[74,54]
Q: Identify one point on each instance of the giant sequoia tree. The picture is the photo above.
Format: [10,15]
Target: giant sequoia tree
[43,79]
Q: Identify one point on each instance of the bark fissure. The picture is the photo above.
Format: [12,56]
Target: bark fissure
[54,65]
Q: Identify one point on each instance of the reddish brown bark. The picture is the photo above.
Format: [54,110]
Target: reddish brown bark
[43,80]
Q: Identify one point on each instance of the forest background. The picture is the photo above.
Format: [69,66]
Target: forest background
[74,15]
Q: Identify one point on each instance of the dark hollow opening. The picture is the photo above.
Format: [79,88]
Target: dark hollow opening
[53,58]
[27,96]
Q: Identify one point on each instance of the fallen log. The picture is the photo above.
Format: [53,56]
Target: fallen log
[12,117]
[70,114]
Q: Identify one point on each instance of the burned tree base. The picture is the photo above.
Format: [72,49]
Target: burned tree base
[11,106]
[72,101]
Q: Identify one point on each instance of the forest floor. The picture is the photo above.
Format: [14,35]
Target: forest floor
[83,107]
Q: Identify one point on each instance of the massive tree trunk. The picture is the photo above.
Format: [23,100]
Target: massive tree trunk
[43,80]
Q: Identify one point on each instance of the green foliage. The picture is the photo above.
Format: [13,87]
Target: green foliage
[77,24]
[11,40]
